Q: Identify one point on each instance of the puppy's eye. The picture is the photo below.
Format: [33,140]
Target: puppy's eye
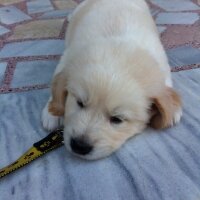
[80,104]
[115,120]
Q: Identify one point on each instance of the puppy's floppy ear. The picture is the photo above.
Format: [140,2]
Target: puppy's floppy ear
[59,94]
[166,109]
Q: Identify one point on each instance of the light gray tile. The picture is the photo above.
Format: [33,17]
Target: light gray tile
[32,48]
[176,5]
[38,6]
[177,18]
[161,29]
[56,13]
[154,11]
[10,15]
[33,72]
[184,55]
[3,30]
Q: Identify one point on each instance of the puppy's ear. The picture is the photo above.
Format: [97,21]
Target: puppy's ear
[166,109]
[59,95]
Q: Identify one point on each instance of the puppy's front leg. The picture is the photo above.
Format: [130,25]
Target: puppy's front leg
[53,112]
[49,121]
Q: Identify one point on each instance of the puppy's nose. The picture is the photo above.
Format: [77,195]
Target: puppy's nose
[79,146]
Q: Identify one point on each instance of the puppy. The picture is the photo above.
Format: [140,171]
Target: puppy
[112,80]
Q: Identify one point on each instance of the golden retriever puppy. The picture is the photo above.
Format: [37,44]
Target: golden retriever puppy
[112,80]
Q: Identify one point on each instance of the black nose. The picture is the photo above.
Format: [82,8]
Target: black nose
[79,146]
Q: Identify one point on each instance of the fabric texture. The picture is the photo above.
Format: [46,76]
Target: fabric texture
[155,165]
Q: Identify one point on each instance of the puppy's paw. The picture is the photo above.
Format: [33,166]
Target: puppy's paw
[49,121]
[177,117]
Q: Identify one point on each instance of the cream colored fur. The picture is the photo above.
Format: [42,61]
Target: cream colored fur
[115,64]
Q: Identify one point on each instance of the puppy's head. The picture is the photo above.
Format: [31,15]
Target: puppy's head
[107,105]
[102,111]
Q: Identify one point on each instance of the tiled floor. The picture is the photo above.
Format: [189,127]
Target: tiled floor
[31,43]
[36,28]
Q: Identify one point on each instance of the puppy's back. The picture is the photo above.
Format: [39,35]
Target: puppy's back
[127,22]
[97,19]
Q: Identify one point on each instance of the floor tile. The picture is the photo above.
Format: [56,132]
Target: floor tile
[2,71]
[33,73]
[56,13]
[38,29]
[161,29]
[32,48]
[38,6]
[65,4]
[175,5]
[184,55]
[7,2]
[177,18]
[3,30]
[10,15]
[154,11]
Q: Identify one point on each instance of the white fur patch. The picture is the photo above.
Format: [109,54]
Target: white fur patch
[168,82]
[49,121]
[177,116]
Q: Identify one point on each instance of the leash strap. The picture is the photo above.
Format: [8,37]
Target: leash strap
[50,142]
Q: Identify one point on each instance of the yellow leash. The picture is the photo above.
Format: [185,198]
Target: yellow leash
[52,141]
